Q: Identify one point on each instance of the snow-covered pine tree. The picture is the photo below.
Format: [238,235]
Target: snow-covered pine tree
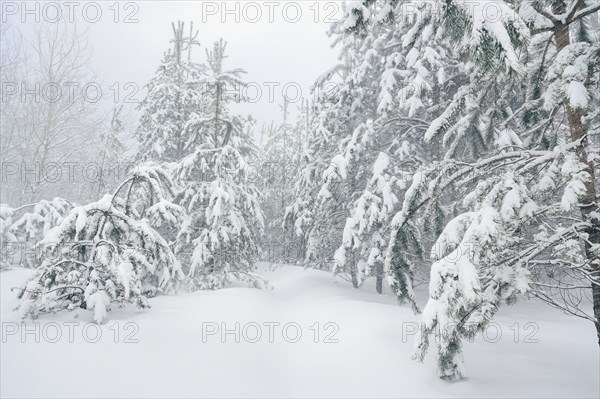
[298,215]
[317,222]
[107,251]
[220,238]
[111,151]
[518,173]
[571,83]
[279,167]
[391,86]
[173,98]
[344,110]
[219,86]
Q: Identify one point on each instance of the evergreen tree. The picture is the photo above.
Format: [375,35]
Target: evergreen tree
[318,227]
[112,149]
[220,237]
[297,217]
[387,87]
[173,98]
[499,134]
[279,167]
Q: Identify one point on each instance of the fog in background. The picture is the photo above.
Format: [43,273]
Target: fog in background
[283,45]
[114,49]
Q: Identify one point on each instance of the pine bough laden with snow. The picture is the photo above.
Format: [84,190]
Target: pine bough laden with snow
[108,252]
[517,180]
[500,243]
[19,235]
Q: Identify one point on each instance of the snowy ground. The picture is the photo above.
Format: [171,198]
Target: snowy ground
[372,358]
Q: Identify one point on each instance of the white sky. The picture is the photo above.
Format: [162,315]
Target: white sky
[287,45]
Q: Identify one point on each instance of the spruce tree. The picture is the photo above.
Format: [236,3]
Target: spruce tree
[219,240]
[173,98]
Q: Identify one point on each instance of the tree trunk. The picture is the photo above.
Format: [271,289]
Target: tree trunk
[379,277]
[590,201]
[354,272]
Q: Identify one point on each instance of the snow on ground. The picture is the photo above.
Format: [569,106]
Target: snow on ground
[372,358]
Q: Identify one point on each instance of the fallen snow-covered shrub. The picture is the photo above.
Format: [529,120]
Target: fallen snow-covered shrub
[107,251]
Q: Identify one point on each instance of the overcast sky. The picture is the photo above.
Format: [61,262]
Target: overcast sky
[277,43]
